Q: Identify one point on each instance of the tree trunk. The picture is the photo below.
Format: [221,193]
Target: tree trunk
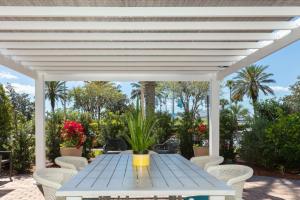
[143,98]
[65,102]
[207,110]
[150,97]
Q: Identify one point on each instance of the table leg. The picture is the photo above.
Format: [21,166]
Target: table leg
[217,198]
[73,198]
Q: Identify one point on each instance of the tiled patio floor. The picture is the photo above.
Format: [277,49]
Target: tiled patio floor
[257,188]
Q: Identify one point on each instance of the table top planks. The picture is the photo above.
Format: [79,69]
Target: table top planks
[168,174]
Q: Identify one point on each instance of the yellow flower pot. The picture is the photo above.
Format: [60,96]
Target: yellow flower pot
[140,160]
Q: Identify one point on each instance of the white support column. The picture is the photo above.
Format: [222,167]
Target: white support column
[40,151]
[214,118]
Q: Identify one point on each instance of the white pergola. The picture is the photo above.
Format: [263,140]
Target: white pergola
[139,43]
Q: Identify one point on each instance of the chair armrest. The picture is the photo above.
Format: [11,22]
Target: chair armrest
[240,178]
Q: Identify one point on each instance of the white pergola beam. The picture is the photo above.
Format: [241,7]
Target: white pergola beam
[131,45]
[143,12]
[125,64]
[259,54]
[126,58]
[115,52]
[206,69]
[128,76]
[144,26]
[8,62]
[137,36]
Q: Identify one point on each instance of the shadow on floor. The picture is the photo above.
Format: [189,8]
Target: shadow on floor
[3,183]
[5,192]
[260,187]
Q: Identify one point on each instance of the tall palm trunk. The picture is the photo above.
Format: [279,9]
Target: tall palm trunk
[65,101]
[173,102]
[150,97]
[52,102]
[143,98]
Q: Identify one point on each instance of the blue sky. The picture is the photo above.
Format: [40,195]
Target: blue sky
[284,64]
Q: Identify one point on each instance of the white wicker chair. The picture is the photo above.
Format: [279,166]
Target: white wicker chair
[130,152]
[71,162]
[206,161]
[234,175]
[52,179]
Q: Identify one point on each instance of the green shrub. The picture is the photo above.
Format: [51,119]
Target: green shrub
[113,125]
[86,120]
[283,143]
[5,120]
[253,142]
[23,147]
[53,126]
[270,109]
[164,129]
[228,129]
[273,139]
[186,129]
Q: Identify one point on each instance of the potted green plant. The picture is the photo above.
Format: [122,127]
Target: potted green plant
[201,148]
[72,139]
[141,136]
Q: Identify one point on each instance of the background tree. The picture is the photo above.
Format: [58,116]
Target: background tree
[250,81]
[23,131]
[161,96]
[96,96]
[191,95]
[55,91]
[293,100]
[5,120]
[22,106]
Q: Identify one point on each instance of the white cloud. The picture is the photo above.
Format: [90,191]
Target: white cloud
[117,83]
[22,88]
[7,75]
[280,89]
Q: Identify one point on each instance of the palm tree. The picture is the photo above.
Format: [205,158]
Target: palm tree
[230,85]
[55,91]
[136,91]
[250,81]
[238,111]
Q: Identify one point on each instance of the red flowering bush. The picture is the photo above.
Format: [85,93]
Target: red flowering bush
[72,134]
[200,136]
[202,128]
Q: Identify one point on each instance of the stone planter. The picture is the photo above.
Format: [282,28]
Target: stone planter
[201,151]
[70,151]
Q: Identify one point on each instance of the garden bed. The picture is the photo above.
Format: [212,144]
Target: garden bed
[261,171]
